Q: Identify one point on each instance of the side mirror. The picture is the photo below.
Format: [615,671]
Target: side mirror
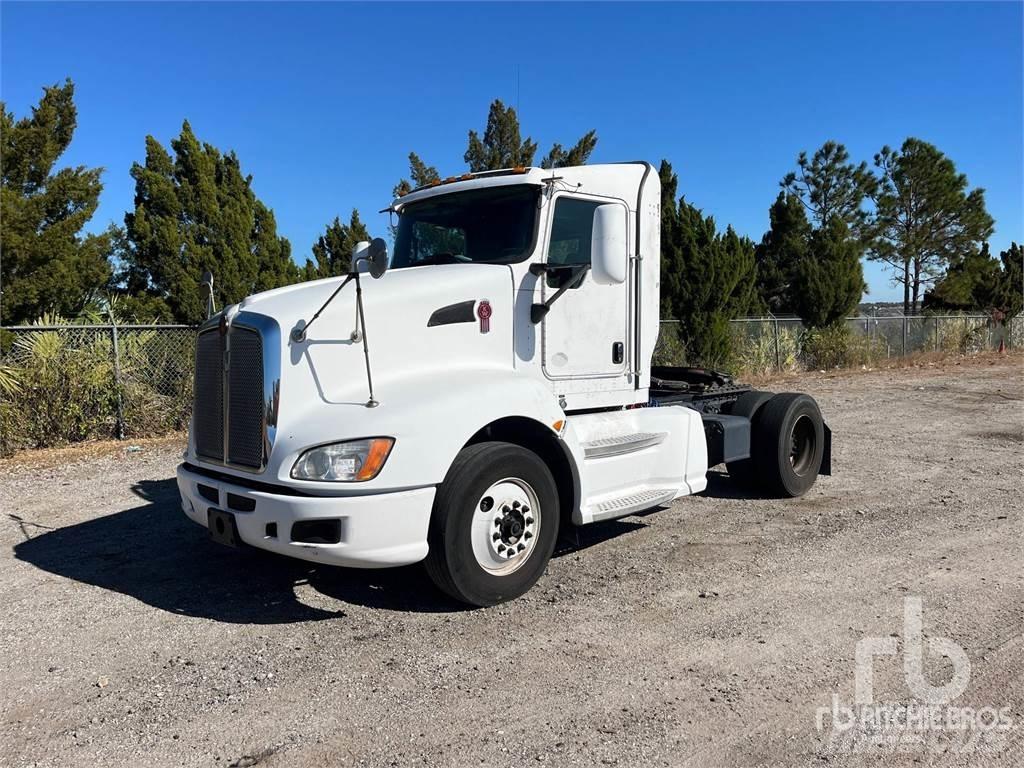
[373,254]
[608,248]
[377,257]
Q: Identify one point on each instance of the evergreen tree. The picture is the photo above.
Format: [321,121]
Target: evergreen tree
[979,282]
[925,217]
[196,212]
[578,154]
[333,249]
[420,173]
[828,185]
[782,249]
[47,264]
[502,146]
[830,281]
[707,277]
[1007,294]
[966,284]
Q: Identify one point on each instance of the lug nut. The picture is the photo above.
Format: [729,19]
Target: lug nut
[498,522]
[496,536]
[525,509]
[529,521]
[521,547]
[501,547]
[506,509]
[516,505]
[528,535]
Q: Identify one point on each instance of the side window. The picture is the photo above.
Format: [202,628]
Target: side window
[571,230]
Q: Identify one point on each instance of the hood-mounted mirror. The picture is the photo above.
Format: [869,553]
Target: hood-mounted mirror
[377,257]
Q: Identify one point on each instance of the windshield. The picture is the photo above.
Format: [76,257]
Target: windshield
[493,225]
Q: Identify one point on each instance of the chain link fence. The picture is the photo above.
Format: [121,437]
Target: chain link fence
[774,344]
[68,383]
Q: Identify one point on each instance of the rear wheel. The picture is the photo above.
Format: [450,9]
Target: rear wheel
[747,405]
[494,524]
[787,444]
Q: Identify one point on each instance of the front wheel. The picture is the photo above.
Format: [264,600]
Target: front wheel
[494,524]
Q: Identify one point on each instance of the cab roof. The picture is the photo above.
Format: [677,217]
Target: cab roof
[608,179]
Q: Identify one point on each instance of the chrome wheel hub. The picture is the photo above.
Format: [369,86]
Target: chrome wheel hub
[505,526]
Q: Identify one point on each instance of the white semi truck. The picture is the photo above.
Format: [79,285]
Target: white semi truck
[486,387]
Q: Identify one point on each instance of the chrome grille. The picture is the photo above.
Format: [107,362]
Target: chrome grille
[236,391]
[208,412]
[245,398]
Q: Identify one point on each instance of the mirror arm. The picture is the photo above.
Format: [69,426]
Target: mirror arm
[299,334]
[538,311]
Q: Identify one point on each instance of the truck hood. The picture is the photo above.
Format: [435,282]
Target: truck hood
[420,321]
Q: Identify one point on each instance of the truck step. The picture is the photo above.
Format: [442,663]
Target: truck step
[620,444]
[635,501]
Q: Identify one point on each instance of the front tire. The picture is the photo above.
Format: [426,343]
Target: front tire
[494,524]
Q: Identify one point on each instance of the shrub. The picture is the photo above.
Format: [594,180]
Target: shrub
[758,355]
[836,346]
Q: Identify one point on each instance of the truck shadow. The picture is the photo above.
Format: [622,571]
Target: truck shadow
[154,554]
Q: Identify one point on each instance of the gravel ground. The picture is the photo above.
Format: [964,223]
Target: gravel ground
[707,633]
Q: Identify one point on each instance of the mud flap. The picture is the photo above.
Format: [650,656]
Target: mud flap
[826,455]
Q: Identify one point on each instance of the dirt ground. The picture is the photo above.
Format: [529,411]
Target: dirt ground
[708,633]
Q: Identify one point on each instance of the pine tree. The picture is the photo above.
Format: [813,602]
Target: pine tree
[979,282]
[828,185]
[578,154]
[502,146]
[1007,295]
[707,277]
[781,250]
[47,264]
[420,173]
[966,283]
[925,218]
[196,212]
[333,249]
[830,281]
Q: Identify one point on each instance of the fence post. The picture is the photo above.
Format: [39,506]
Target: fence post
[905,319]
[117,380]
[936,333]
[778,351]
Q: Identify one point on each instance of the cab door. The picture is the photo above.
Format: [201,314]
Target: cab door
[585,332]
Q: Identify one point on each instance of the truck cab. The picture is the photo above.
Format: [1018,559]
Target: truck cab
[485,386]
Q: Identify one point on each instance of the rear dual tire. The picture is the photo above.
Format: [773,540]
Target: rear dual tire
[787,443]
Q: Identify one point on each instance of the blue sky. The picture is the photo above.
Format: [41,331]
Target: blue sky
[322,102]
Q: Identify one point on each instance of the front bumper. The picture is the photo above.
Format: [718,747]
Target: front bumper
[377,531]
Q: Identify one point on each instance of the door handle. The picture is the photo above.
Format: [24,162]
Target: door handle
[617,352]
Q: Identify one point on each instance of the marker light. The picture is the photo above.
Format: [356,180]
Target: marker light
[351,461]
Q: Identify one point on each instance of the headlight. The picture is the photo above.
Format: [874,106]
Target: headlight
[351,461]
